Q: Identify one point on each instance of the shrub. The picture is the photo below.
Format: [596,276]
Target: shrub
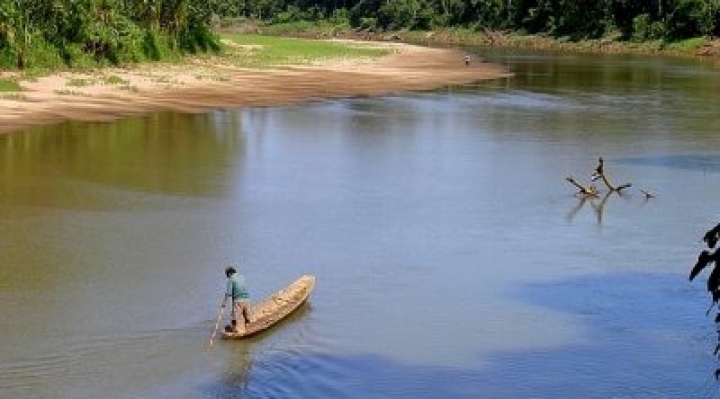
[644,28]
[9,85]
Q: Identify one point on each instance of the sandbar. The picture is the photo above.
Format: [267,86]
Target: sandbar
[110,93]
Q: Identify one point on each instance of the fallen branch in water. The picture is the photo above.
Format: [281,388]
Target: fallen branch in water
[589,191]
[599,173]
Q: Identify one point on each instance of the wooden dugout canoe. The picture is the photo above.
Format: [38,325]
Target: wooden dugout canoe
[275,308]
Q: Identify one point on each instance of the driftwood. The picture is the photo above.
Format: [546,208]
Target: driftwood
[596,198]
[585,191]
[599,173]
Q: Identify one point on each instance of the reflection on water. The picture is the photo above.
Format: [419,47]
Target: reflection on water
[71,166]
[452,258]
[697,162]
[85,365]
[257,366]
[235,378]
[589,193]
[596,204]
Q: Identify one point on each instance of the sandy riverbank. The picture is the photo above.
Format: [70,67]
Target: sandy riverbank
[200,85]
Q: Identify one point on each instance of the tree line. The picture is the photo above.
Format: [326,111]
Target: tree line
[57,33]
[640,20]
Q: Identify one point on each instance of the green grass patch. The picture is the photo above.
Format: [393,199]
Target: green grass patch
[13,96]
[306,29]
[114,80]
[161,79]
[687,45]
[9,85]
[79,82]
[33,74]
[268,51]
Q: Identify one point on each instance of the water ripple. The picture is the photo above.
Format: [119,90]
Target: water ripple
[88,365]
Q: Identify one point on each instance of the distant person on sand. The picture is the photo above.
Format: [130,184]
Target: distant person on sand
[467,60]
[238,295]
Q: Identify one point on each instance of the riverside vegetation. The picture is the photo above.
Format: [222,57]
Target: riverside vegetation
[237,51]
[669,26]
[57,34]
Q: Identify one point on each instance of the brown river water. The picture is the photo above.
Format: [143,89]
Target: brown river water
[452,258]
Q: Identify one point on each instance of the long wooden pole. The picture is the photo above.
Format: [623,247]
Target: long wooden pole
[217,325]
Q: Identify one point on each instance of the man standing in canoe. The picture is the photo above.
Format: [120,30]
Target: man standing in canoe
[238,295]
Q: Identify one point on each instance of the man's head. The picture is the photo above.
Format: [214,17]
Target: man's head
[229,271]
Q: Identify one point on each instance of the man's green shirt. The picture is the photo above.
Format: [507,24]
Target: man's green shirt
[236,287]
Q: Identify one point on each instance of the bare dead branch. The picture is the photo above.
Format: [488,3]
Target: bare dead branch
[589,191]
[599,173]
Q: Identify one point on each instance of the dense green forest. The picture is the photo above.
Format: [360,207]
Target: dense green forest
[639,20]
[58,33]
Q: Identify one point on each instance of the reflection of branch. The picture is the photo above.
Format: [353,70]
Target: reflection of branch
[598,207]
[591,193]
[574,211]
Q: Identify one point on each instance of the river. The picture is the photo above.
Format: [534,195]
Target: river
[452,258]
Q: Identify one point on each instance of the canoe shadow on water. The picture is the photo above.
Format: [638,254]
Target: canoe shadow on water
[642,334]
